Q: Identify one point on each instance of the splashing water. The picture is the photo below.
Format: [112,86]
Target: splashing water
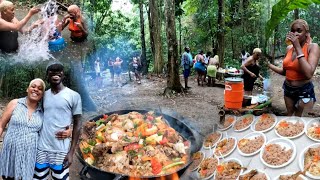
[33,46]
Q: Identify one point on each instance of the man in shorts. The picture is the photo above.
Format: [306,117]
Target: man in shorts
[186,62]
[62,108]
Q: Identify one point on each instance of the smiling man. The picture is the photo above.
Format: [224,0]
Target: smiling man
[62,107]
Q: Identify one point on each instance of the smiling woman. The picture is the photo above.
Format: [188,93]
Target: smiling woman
[25,117]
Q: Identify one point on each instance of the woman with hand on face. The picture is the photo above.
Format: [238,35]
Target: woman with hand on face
[77,24]
[299,64]
[24,116]
[9,26]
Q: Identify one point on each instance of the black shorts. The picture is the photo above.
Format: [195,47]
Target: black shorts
[297,93]
[79,39]
[248,82]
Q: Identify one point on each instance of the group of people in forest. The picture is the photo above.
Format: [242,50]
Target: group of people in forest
[299,65]
[205,65]
[10,26]
[115,69]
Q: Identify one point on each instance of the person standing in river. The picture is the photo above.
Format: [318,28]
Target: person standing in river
[77,24]
[10,25]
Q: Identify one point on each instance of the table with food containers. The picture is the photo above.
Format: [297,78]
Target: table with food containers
[260,147]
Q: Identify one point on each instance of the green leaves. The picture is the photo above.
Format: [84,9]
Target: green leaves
[281,9]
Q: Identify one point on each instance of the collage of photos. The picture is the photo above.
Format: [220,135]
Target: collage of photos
[159,90]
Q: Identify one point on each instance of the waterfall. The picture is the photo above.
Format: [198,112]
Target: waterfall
[33,46]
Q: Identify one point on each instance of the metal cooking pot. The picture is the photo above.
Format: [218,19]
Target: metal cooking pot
[98,174]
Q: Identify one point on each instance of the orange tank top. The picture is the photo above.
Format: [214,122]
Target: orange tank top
[293,71]
[75,30]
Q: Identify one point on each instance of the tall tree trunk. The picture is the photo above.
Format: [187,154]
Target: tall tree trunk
[257,33]
[267,42]
[296,14]
[211,34]
[156,28]
[173,79]
[232,45]
[180,36]
[143,57]
[242,19]
[275,38]
[220,34]
[151,33]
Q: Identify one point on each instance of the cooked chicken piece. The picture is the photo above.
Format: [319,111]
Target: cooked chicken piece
[117,147]
[171,136]
[150,153]
[160,154]
[170,152]
[89,128]
[291,177]
[127,125]
[249,175]
[99,149]
[114,134]
[113,117]
[84,137]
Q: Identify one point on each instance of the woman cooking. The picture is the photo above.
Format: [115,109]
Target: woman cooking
[298,66]
[251,70]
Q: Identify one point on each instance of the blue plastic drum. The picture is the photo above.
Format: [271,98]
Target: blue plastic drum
[57,45]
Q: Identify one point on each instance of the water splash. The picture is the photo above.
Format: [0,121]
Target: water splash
[33,46]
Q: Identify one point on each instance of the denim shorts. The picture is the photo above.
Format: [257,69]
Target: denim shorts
[305,92]
[186,73]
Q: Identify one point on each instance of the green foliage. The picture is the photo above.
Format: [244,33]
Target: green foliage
[16,80]
[264,69]
[114,34]
[280,11]
[197,32]
[229,62]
